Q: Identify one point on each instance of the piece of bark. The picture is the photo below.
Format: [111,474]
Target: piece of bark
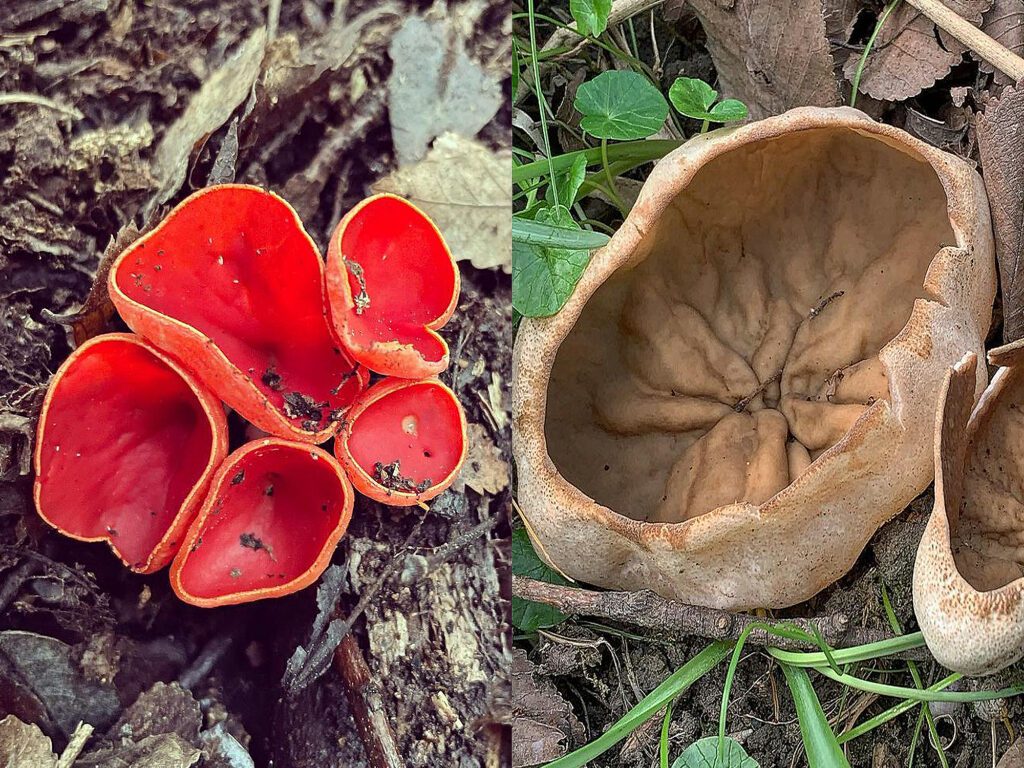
[1001,145]
[771,54]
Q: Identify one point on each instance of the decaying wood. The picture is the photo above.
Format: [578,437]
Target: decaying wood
[670,619]
[367,706]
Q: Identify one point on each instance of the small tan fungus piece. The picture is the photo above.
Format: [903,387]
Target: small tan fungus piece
[969,574]
[743,386]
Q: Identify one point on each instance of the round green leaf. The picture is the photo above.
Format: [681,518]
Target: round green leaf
[543,277]
[620,105]
[704,754]
[528,616]
[591,15]
[692,97]
[729,111]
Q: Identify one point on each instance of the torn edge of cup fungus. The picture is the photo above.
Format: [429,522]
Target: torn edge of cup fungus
[392,284]
[403,442]
[275,512]
[742,387]
[126,446]
[968,576]
[231,284]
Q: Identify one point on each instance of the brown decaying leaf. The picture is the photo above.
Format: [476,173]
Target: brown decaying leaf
[541,720]
[1014,756]
[485,471]
[771,54]
[435,87]
[909,54]
[23,744]
[208,110]
[463,187]
[1005,23]
[1001,145]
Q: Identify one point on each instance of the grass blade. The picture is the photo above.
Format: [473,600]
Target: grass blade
[538,233]
[823,751]
[657,699]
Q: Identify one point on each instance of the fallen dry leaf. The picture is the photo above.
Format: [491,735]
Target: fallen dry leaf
[1005,22]
[1001,145]
[23,744]
[1014,756]
[435,87]
[463,187]
[541,720]
[207,111]
[485,470]
[771,54]
[910,53]
[167,750]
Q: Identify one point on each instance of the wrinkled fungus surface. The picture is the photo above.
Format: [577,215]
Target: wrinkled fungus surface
[126,447]
[392,283]
[274,515]
[231,284]
[404,442]
[746,343]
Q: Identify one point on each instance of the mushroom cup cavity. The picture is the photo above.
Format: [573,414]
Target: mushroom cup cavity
[403,442]
[969,573]
[230,284]
[392,283]
[126,446]
[274,515]
[742,388]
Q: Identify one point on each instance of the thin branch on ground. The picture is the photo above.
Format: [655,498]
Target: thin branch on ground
[367,706]
[671,619]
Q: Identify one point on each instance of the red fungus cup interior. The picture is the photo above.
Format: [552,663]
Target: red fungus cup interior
[404,442]
[274,514]
[126,446]
[234,264]
[392,282]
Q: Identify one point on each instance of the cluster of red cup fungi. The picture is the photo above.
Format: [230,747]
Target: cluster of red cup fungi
[231,303]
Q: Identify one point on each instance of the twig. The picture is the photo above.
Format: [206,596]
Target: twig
[669,618]
[212,652]
[436,558]
[741,406]
[74,748]
[39,101]
[367,706]
[989,49]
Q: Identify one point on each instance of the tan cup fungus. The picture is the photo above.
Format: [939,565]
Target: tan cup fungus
[743,386]
[969,574]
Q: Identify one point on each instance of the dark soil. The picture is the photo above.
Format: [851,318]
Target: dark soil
[96,85]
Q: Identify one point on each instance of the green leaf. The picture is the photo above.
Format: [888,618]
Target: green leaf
[692,97]
[568,182]
[704,754]
[535,233]
[528,616]
[620,105]
[543,277]
[823,751]
[729,111]
[591,15]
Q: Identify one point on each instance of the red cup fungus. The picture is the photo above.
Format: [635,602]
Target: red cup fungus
[392,283]
[127,444]
[275,512]
[403,442]
[229,298]
[231,284]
